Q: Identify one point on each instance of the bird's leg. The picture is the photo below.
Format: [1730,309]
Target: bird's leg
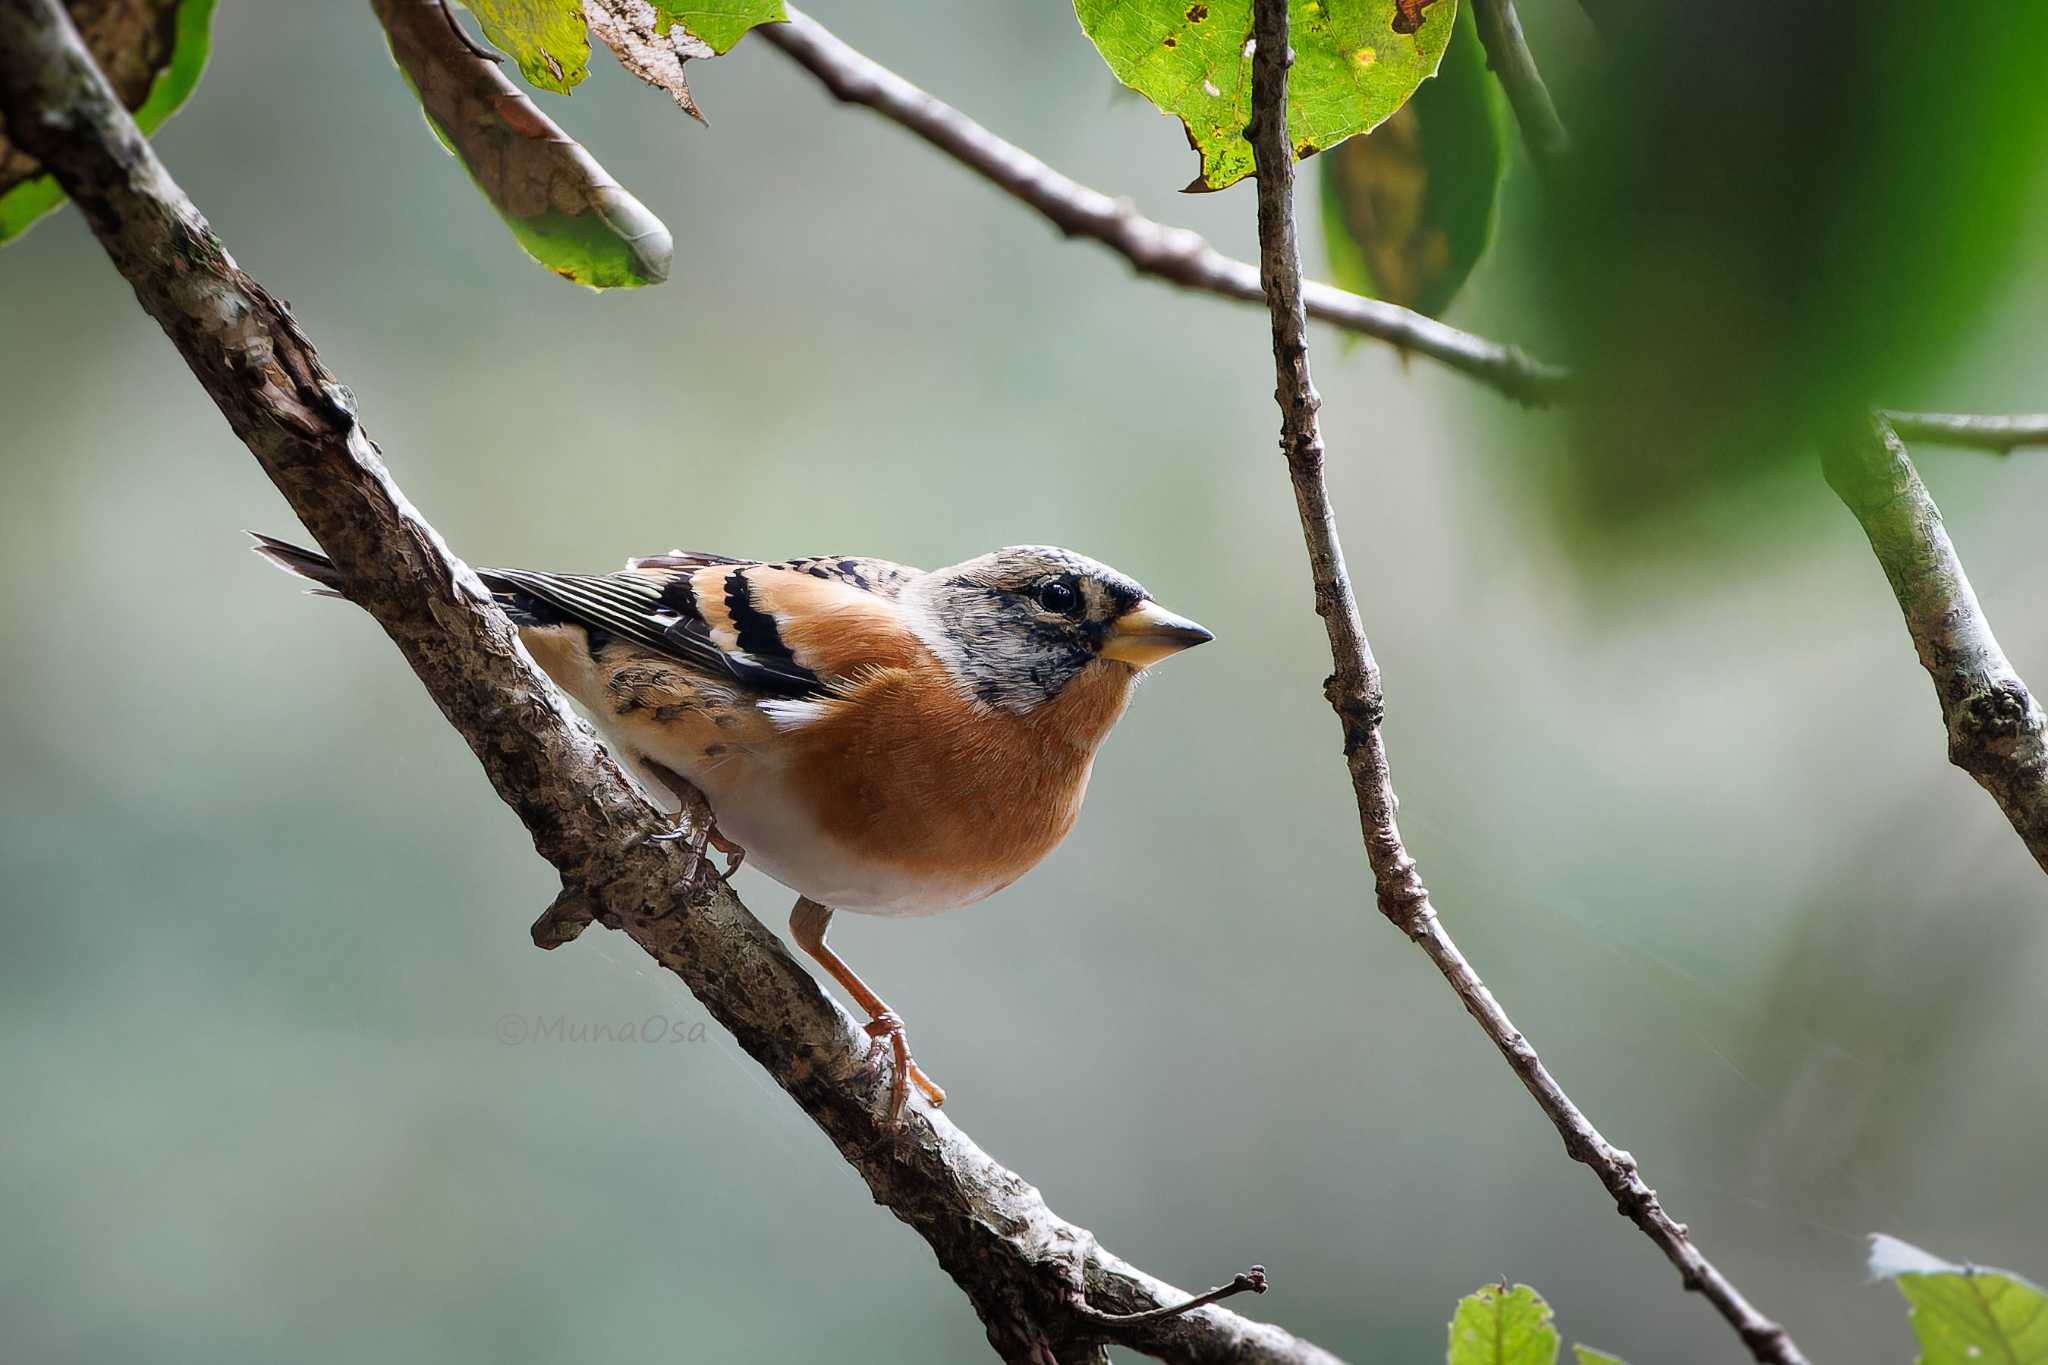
[807,925]
[693,808]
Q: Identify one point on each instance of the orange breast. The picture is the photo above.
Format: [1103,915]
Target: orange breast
[910,774]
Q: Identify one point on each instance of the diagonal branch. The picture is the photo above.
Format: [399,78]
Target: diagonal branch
[1177,255]
[1996,731]
[1355,692]
[1034,1278]
[1507,52]
[1972,431]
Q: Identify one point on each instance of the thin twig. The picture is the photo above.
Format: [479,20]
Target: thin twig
[1252,1281]
[1354,690]
[565,919]
[1021,1265]
[1996,731]
[476,49]
[1972,431]
[1507,52]
[1178,255]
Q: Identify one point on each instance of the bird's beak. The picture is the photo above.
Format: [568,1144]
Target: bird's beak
[1148,633]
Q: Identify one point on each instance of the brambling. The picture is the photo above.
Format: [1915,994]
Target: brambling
[877,738]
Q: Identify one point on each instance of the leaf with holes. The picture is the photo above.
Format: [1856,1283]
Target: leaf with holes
[1355,63]
[1964,1314]
[1408,209]
[1496,1325]
[152,52]
[560,204]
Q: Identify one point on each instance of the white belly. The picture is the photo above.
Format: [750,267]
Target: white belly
[756,811]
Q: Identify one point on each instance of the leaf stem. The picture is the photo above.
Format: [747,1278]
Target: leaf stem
[1507,52]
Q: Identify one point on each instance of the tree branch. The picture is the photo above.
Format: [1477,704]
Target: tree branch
[1177,255]
[1507,52]
[1996,731]
[1354,690]
[1029,1273]
[2000,435]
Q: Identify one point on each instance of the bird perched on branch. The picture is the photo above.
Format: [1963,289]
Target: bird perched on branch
[876,738]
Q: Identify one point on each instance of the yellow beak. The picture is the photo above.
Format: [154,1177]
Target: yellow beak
[1148,633]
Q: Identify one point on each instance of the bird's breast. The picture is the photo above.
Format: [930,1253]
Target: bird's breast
[903,799]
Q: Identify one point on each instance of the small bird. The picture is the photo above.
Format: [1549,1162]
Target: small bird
[877,738]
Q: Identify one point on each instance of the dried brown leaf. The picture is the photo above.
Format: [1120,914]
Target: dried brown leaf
[630,28]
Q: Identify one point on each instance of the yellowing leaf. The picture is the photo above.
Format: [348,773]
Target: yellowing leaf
[1355,63]
[546,38]
[1408,209]
[550,39]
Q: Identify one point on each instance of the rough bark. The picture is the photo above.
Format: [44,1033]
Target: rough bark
[1025,1269]
[1355,692]
[1995,727]
[131,40]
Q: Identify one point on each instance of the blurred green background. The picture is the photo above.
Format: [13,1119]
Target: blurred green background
[1689,815]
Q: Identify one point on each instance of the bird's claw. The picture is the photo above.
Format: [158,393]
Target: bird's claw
[887,1027]
[704,837]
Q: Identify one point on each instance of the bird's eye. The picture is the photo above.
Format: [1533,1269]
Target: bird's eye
[1057,596]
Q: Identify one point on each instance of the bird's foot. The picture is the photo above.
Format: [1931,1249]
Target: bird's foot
[695,822]
[707,836]
[888,1027]
[734,854]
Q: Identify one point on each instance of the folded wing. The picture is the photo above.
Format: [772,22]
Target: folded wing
[796,630]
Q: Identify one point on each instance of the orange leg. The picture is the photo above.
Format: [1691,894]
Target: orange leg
[807,925]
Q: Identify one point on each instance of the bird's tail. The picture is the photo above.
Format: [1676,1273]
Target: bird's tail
[307,564]
[319,570]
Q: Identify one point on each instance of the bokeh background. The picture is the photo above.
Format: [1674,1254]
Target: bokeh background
[1688,811]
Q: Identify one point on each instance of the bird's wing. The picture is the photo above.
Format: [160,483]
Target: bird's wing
[878,576]
[787,630]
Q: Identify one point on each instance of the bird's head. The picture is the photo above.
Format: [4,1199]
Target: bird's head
[1015,627]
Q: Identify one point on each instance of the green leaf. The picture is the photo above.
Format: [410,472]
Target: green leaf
[546,38]
[560,204]
[722,25]
[1588,1356]
[1496,1325]
[1739,252]
[550,39]
[1965,1315]
[1355,63]
[1408,210]
[154,63]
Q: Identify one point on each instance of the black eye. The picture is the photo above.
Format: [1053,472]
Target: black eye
[1057,595]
